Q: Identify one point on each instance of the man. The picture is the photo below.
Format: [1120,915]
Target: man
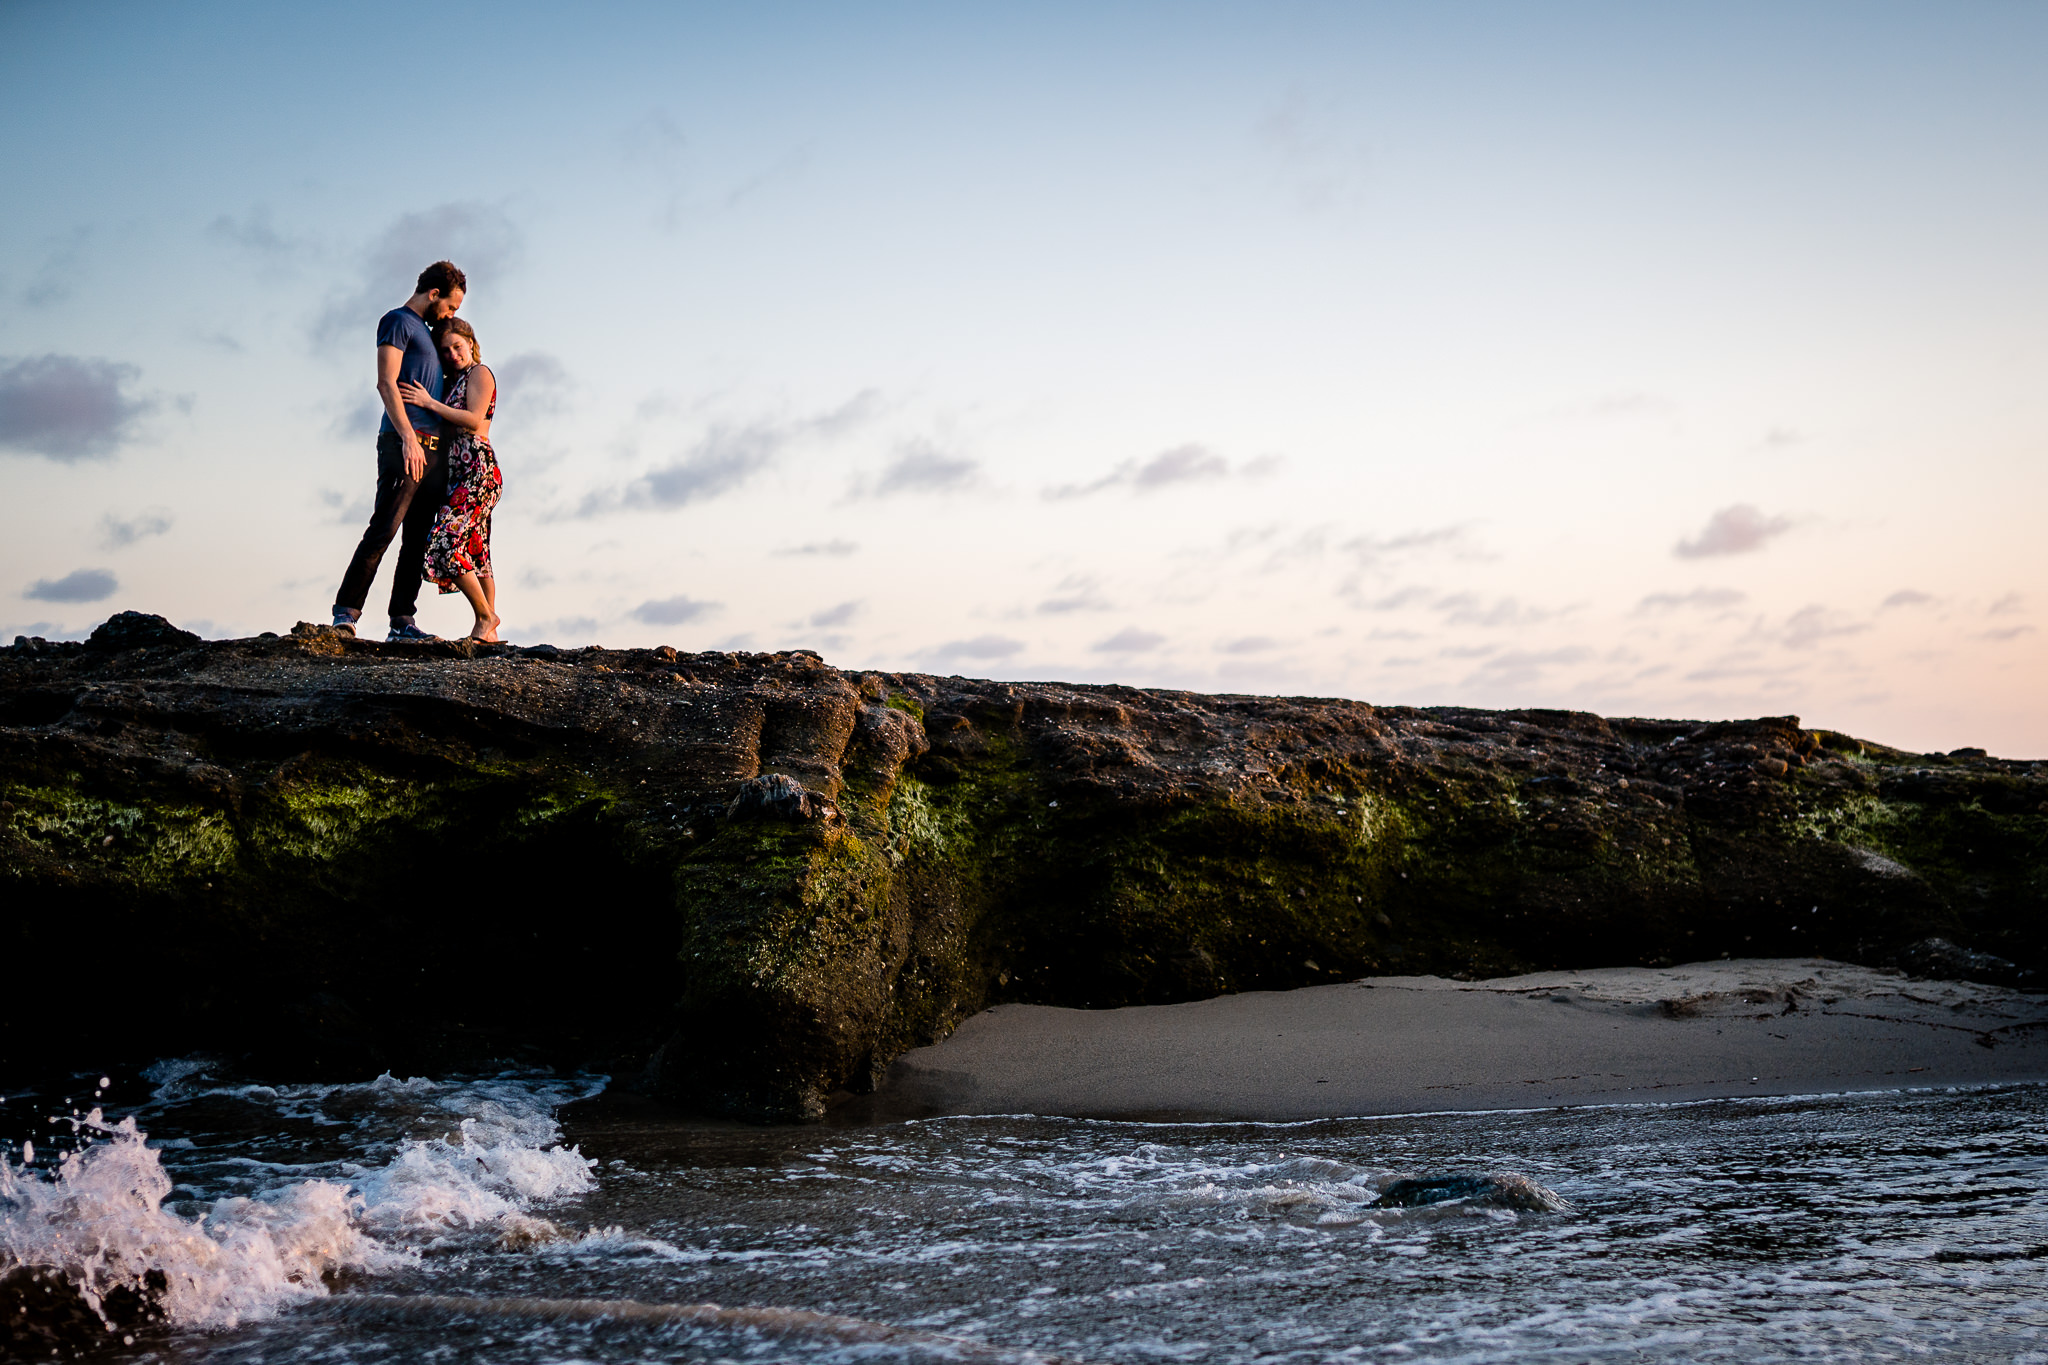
[412,482]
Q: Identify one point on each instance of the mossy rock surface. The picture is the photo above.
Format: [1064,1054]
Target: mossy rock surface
[331,855]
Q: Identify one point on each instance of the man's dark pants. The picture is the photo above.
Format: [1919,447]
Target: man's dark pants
[400,506]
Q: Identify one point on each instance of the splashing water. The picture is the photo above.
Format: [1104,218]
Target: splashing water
[102,1229]
[99,1225]
[498,1162]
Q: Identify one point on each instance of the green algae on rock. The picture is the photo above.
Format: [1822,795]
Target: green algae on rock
[751,880]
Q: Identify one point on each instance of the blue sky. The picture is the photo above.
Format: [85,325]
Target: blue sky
[1674,360]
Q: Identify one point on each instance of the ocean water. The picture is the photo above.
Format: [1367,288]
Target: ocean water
[498,1219]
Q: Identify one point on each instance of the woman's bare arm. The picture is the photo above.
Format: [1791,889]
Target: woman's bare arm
[483,387]
[477,402]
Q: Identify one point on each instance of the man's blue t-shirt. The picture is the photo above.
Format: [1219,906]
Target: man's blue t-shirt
[418,361]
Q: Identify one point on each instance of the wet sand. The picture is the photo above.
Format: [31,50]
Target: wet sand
[1388,1045]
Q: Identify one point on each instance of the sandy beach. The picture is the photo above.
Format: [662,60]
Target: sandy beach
[1387,1045]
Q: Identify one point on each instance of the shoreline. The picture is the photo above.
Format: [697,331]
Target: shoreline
[1394,1046]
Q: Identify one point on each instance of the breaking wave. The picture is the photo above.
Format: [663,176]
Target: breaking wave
[95,1236]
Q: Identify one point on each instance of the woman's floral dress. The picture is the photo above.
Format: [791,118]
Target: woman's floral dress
[461,539]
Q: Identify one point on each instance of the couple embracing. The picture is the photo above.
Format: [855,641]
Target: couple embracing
[437,476]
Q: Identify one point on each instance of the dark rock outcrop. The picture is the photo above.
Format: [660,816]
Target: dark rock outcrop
[1938,959]
[137,630]
[46,1314]
[751,880]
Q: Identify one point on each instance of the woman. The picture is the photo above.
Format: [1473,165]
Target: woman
[459,549]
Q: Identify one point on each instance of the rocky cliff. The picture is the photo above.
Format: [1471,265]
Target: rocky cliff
[753,879]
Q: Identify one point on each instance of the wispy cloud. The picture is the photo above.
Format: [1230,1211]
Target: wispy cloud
[723,459]
[1700,599]
[1906,597]
[835,616]
[117,532]
[1520,667]
[1321,163]
[256,233]
[1178,467]
[980,647]
[1075,593]
[2007,604]
[1457,608]
[659,149]
[1742,665]
[80,585]
[533,383]
[674,611]
[68,408]
[345,509]
[480,238]
[359,417]
[1401,597]
[656,147]
[57,277]
[1129,640]
[1469,609]
[1182,464]
[1376,556]
[654,138]
[919,467]
[1813,625]
[1370,551]
[574,629]
[832,549]
[1283,545]
[1734,530]
[1249,644]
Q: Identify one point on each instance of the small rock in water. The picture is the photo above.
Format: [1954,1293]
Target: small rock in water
[1501,1190]
[519,1232]
[46,1312]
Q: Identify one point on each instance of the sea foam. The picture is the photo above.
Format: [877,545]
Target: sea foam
[496,1164]
[93,1226]
[97,1223]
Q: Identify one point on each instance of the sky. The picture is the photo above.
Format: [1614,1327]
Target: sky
[1677,360]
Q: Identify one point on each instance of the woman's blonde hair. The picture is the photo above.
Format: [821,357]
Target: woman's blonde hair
[461,329]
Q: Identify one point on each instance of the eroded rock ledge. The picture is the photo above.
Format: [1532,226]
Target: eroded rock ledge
[753,879]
